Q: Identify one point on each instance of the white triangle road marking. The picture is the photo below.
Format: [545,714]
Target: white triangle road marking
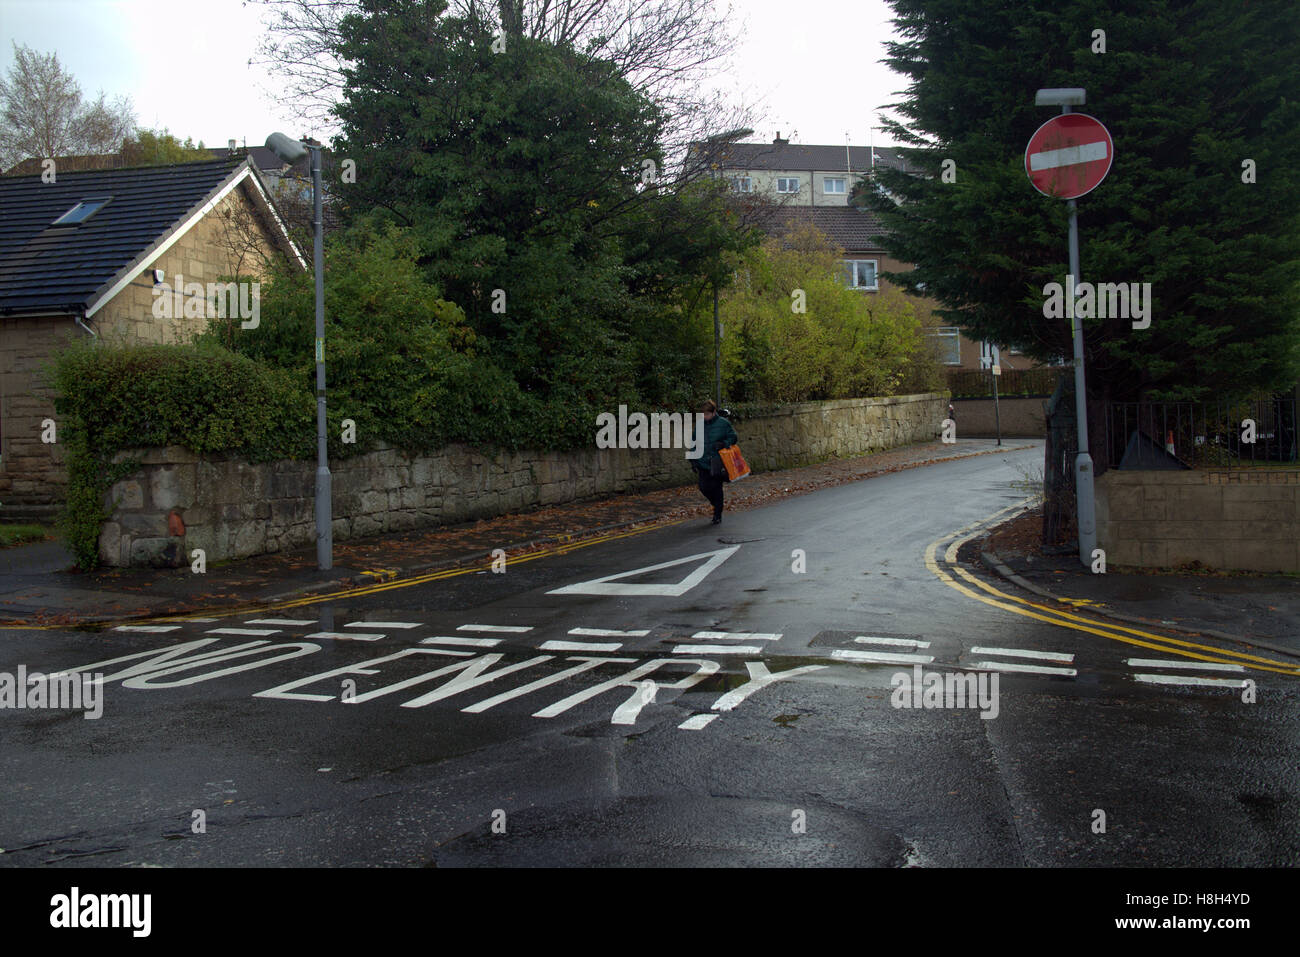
[611,585]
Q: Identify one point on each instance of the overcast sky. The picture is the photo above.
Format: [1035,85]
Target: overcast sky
[811,67]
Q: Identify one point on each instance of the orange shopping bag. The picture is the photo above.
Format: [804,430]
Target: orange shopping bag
[737,467]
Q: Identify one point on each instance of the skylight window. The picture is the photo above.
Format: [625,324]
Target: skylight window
[82,211]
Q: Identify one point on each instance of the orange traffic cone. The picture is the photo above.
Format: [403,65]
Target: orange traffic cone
[1169,443]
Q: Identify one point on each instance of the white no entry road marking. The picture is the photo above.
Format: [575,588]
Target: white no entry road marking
[532,686]
[611,585]
[347,636]
[696,721]
[281,621]
[1186,665]
[1025,669]
[902,642]
[382,624]
[718,650]
[259,632]
[737,636]
[1020,653]
[462,640]
[1069,156]
[580,646]
[151,629]
[882,657]
[608,633]
[512,629]
[1191,680]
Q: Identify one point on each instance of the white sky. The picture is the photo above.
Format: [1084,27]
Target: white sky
[811,67]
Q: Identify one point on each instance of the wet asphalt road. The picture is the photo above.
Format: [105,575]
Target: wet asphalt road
[715,711]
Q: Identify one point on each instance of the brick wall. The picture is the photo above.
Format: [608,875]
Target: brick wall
[1247,519]
[1021,417]
[233,509]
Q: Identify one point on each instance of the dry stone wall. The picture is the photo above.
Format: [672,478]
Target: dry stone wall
[178,501]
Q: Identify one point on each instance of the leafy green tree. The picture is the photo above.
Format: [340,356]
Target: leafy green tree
[400,360]
[160,148]
[528,171]
[1190,90]
[797,332]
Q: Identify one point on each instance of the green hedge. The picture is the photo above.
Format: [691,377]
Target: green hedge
[207,399]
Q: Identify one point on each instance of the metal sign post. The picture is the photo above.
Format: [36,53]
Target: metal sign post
[1069,156]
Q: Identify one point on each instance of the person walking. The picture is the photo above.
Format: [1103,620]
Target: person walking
[718,434]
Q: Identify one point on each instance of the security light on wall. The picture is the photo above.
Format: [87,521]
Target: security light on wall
[158,277]
[1060,96]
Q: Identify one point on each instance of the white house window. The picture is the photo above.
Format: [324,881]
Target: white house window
[861,273]
[742,184]
[947,343]
[787,184]
[833,184]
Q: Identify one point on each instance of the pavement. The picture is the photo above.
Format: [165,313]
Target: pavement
[1253,609]
[38,586]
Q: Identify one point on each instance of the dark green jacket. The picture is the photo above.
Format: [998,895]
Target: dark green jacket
[718,434]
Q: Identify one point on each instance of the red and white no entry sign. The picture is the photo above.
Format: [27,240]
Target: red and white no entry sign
[1069,155]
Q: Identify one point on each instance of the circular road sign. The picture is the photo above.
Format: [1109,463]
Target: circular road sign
[1069,155]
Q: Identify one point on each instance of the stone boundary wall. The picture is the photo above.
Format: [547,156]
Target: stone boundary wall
[178,501]
[1022,418]
[1246,519]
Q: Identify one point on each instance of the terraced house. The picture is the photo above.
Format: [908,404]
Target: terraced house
[82,256]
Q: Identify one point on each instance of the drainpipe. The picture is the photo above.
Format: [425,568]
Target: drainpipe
[79,321]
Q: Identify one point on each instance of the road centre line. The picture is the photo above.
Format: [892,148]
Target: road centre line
[608,633]
[151,629]
[257,632]
[382,624]
[282,621]
[1021,653]
[512,629]
[346,636]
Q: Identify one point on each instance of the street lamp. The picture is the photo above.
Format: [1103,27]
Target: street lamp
[719,138]
[1065,98]
[292,151]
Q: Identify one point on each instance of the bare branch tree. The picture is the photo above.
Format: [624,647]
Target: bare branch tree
[43,115]
[666,48]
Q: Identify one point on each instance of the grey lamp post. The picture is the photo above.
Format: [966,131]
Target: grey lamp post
[292,151]
[1066,98]
[717,325]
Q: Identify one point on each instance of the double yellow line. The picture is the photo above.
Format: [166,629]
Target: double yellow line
[388,584]
[981,591]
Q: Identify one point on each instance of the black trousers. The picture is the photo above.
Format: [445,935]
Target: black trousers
[711,488]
